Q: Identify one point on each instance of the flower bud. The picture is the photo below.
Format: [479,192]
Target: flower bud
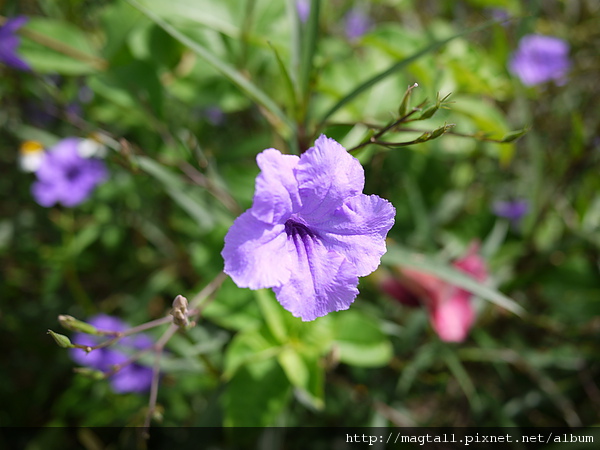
[71,323]
[514,135]
[404,108]
[429,135]
[90,373]
[180,312]
[62,340]
[431,110]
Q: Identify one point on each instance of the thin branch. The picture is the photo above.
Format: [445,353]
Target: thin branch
[198,303]
[158,348]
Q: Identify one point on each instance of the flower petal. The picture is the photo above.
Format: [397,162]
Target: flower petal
[45,194]
[93,359]
[13,24]
[255,253]
[132,378]
[452,314]
[327,175]
[276,191]
[322,281]
[357,230]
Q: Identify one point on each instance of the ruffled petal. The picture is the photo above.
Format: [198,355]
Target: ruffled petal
[276,191]
[327,175]
[255,253]
[357,230]
[322,281]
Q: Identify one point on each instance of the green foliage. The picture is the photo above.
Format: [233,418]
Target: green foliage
[186,93]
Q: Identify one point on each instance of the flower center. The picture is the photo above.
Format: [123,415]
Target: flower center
[297,229]
[302,237]
[72,173]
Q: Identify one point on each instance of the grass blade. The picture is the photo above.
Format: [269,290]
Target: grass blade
[398,256]
[400,65]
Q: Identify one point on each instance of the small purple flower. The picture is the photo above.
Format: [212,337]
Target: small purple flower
[64,176]
[511,210]
[357,24]
[9,43]
[310,232]
[539,59]
[132,377]
[215,115]
[499,14]
[303,9]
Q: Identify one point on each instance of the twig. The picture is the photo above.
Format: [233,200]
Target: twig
[118,335]
[158,348]
[198,303]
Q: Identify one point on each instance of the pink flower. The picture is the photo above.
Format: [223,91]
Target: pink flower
[450,309]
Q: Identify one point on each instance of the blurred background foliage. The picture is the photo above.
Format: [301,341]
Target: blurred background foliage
[190,92]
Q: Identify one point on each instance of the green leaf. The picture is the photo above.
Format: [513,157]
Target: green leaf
[398,66]
[234,308]
[247,347]
[276,115]
[310,33]
[54,46]
[397,256]
[206,13]
[118,21]
[256,395]
[306,374]
[273,314]
[425,357]
[290,87]
[177,191]
[360,340]
[83,239]
[463,378]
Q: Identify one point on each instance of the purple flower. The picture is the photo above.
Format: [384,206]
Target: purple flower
[539,59]
[511,210]
[303,9]
[310,232]
[9,43]
[132,377]
[215,115]
[64,176]
[499,14]
[357,24]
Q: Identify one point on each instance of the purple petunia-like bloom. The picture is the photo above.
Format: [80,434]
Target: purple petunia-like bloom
[539,59]
[132,377]
[357,24]
[66,177]
[310,232]
[511,210]
[9,43]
